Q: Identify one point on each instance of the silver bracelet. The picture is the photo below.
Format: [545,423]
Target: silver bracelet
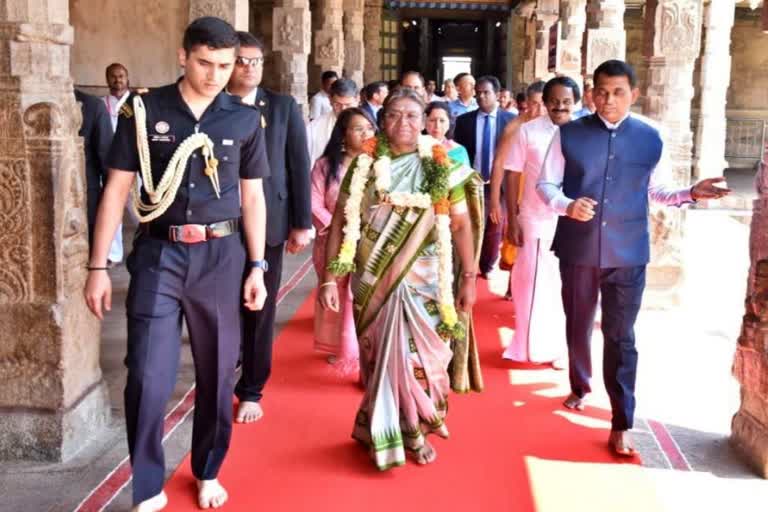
[329,283]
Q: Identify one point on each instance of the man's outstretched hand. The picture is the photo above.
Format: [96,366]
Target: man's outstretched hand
[708,189]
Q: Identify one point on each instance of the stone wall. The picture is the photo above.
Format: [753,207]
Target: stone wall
[143,35]
[749,71]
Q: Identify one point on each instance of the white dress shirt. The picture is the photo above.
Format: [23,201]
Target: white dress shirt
[319,133]
[114,104]
[550,182]
[250,98]
[479,127]
[526,156]
[319,105]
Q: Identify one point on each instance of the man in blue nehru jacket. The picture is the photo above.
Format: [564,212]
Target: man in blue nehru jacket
[598,174]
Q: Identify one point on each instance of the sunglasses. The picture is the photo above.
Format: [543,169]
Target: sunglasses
[252,61]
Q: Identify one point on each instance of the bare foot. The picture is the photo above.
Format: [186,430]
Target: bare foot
[559,364]
[249,412]
[574,402]
[153,504]
[620,443]
[210,494]
[425,455]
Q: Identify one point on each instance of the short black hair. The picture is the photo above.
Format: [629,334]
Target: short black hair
[327,75]
[344,87]
[412,72]
[616,68]
[373,88]
[248,40]
[458,78]
[212,32]
[115,65]
[490,79]
[535,87]
[520,97]
[565,81]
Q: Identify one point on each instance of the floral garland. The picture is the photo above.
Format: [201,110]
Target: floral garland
[377,156]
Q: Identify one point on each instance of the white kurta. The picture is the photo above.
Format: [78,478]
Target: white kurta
[319,133]
[535,280]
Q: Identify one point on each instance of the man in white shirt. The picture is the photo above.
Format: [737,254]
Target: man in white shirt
[117,80]
[535,280]
[598,175]
[321,102]
[344,95]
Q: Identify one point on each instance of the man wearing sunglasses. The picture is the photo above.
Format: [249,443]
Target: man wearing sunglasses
[289,212]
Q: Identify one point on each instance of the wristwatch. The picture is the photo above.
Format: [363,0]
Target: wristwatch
[262,264]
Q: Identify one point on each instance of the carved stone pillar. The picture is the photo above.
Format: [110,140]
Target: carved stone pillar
[606,38]
[291,30]
[328,46]
[372,36]
[673,41]
[547,14]
[354,47]
[749,429]
[516,51]
[53,397]
[574,20]
[233,11]
[715,77]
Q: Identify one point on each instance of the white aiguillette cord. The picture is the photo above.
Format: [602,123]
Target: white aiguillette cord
[162,195]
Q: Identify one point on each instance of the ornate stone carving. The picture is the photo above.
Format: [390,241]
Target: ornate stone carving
[372,37]
[218,8]
[354,46]
[43,120]
[603,45]
[681,27]
[330,50]
[15,273]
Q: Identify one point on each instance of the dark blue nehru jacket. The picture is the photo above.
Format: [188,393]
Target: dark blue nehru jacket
[613,167]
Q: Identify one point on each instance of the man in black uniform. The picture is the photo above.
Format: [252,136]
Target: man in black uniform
[188,257]
[289,212]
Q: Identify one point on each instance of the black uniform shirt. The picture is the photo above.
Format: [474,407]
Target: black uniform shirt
[238,144]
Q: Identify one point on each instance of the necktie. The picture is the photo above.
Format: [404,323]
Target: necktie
[485,154]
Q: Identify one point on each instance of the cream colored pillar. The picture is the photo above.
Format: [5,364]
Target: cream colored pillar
[673,32]
[354,47]
[328,44]
[53,397]
[372,37]
[606,37]
[291,30]
[235,12]
[715,77]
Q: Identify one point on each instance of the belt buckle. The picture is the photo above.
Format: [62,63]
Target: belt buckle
[189,233]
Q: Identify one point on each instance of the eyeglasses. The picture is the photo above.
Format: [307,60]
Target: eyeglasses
[393,116]
[249,61]
[359,130]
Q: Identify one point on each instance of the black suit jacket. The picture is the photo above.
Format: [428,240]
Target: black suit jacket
[465,132]
[96,131]
[287,190]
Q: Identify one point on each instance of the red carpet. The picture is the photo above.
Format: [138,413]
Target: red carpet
[512,447]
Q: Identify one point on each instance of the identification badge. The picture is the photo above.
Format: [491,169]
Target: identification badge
[227,142]
[162,138]
[162,127]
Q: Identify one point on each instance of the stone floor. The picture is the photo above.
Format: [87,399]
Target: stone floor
[684,383]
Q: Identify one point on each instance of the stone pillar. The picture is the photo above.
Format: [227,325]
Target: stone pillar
[354,47]
[672,43]
[53,398]
[574,20]
[749,429]
[233,11]
[291,30]
[715,77]
[515,51]
[372,35]
[606,38]
[328,46]
[547,14]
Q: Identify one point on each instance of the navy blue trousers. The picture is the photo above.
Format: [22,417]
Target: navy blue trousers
[259,332]
[621,292]
[201,283]
[492,235]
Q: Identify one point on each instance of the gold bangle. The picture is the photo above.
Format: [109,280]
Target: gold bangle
[329,283]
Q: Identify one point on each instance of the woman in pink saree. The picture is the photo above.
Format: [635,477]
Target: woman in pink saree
[335,330]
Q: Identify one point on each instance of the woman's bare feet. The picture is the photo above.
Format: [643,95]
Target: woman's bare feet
[424,455]
[210,494]
[249,412]
[153,504]
[574,402]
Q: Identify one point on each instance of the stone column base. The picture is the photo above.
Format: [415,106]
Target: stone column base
[663,287]
[750,439]
[54,436]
